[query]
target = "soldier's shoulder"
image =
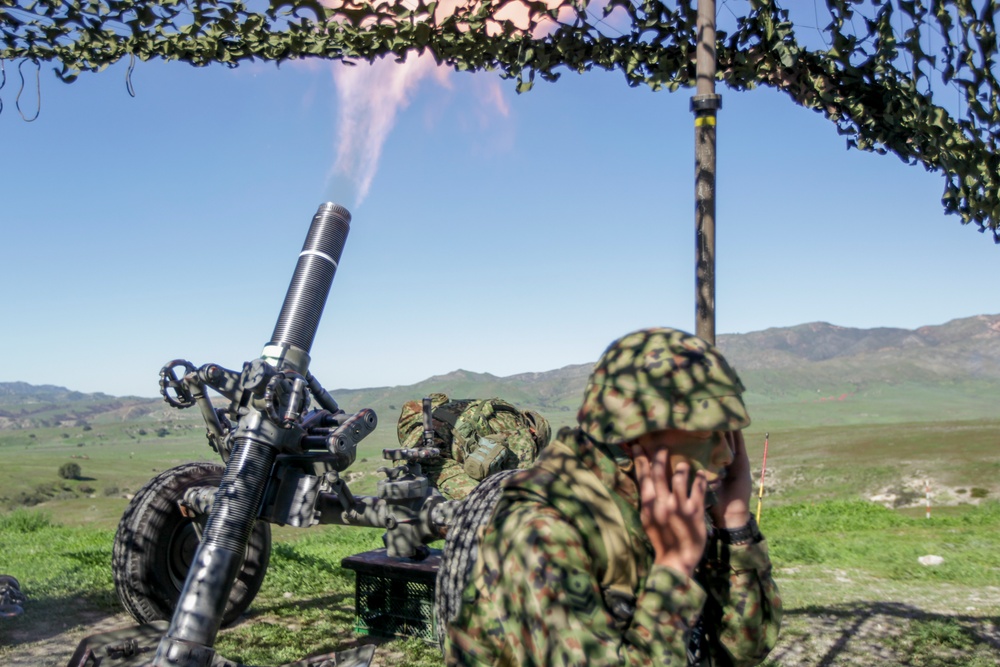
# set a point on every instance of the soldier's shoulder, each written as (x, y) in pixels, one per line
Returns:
(544, 490)
(530, 485)
(530, 525)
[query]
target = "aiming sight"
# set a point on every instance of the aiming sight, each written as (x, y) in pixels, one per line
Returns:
(282, 465)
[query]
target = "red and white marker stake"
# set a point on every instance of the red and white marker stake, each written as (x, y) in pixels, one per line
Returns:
(763, 469)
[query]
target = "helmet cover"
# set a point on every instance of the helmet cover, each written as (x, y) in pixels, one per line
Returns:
(661, 378)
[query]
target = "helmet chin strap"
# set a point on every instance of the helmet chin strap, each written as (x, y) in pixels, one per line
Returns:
(621, 456)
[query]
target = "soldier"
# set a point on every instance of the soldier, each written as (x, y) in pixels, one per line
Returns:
(630, 540)
(477, 438)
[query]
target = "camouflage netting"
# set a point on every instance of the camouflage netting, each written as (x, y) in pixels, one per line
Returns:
(885, 72)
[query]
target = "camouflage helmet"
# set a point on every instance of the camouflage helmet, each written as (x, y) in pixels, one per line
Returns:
(540, 429)
(657, 379)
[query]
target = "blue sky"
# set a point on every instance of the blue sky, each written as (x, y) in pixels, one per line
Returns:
(535, 227)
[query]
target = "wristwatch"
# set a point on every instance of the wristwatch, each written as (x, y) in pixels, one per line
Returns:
(747, 534)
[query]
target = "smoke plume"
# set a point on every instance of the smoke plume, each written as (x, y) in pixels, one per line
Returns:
(369, 97)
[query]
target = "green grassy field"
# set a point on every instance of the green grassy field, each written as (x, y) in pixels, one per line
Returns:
(830, 558)
(838, 557)
(115, 460)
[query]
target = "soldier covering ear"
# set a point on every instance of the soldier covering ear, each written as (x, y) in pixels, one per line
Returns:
(605, 551)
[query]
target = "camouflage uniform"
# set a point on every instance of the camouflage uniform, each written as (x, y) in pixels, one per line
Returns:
(540, 591)
(463, 427)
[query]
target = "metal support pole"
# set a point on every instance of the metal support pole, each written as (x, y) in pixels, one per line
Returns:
(704, 104)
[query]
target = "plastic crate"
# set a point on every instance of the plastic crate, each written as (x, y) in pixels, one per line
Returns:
(394, 597)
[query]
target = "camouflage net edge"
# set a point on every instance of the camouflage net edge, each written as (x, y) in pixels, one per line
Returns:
(875, 82)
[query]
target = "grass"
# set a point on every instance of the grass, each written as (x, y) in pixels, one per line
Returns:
(944, 643)
(305, 606)
(115, 460)
(880, 403)
(886, 545)
(835, 554)
(55, 563)
(306, 603)
(814, 463)
(857, 461)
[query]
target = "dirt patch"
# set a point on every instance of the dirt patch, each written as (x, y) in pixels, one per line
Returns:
(851, 634)
(884, 633)
(48, 642)
(918, 491)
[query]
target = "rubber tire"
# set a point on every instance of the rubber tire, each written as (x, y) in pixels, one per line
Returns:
(155, 544)
(461, 548)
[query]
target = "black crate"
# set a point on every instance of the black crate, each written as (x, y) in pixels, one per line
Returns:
(394, 597)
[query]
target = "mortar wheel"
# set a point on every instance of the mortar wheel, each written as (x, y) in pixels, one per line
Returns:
(461, 547)
(155, 544)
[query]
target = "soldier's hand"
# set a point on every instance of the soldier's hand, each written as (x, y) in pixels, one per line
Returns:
(673, 518)
(732, 509)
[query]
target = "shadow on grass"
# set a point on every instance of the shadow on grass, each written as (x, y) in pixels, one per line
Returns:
(333, 601)
(845, 626)
(71, 618)
(278, 624)
(48, 617)
(310, 563)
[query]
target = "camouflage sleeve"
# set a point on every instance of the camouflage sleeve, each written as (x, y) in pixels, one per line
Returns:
(523, 448)
(546, 605)
(745, 605)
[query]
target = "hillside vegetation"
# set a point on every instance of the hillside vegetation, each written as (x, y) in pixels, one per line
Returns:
(886, 437)
(805, 375)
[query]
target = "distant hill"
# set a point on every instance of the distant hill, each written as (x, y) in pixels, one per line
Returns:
(550, 391)
(23, 405)
(811, 373)
(814, 374)
(22, 392)
(959, 348)
(782, 362)
(819, 373)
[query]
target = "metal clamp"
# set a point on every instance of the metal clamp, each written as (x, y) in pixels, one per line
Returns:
(703, 103)
(290, 404)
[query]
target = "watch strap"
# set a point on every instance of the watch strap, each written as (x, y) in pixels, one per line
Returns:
(745, 534)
